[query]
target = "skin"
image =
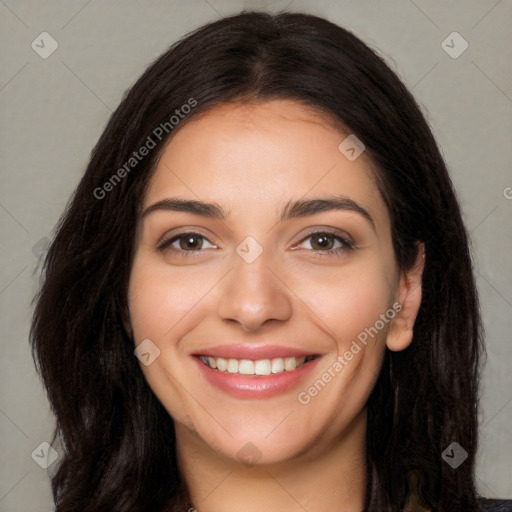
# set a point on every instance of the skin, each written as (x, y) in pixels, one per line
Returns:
(251, 159)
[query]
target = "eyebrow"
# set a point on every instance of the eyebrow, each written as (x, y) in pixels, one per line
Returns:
(295, 209)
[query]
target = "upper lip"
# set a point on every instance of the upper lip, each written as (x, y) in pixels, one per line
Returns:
(254, 352)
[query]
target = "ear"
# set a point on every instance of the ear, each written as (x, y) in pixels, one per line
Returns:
(409, 296)
(125, 320)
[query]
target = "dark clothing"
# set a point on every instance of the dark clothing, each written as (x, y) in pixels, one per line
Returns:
(492, 505)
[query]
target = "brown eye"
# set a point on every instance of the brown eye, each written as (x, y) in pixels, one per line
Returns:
(327, 243)
(321, 241)
(190, 242)
(185, 242)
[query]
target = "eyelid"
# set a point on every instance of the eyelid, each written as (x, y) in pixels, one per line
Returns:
(186, 230)
(336, 232)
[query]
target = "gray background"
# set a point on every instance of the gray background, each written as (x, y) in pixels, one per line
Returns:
(53, 111)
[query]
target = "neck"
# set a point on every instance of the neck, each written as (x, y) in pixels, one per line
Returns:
(322, 479)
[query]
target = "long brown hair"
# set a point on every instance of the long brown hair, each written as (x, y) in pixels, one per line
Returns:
(118, 440)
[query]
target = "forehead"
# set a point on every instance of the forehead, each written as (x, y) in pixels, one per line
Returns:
(259, 155)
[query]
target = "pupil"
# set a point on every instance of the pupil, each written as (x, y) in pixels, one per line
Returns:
(325, 241)
(189, 243)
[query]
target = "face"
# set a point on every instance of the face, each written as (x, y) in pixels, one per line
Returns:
(263, 315)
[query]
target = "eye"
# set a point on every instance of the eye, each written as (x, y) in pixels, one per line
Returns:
(320, 242)
(185, 242)
(325, 242)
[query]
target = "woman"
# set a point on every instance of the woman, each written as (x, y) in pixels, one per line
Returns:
(260, 296)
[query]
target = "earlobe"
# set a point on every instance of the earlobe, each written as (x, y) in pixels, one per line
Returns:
(126, 322)
(409, 292)
(128, 330)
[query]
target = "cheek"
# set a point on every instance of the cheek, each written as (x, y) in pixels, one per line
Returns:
(351, 304)
(159, 298)
(162, 303)
(348, 301)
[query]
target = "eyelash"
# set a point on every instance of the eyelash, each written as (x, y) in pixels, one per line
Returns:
(347, 245)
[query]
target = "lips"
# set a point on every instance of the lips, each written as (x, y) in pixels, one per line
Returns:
(254, 371)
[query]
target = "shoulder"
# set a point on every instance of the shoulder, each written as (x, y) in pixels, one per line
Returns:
(492, 505)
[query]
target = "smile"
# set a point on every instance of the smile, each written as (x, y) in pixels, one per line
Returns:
(256, 367)
(250, 370)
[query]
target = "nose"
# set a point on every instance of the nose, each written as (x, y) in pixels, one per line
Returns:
(254, 295)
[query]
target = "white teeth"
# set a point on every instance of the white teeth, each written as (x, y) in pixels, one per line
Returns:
(290, 364)
(262, 367)
(233, 366)
(258, 367)
(277, 365)
(246, 367)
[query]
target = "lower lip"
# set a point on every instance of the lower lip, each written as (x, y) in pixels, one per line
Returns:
(255, 386)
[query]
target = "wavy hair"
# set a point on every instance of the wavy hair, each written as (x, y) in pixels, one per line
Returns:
(118, 444)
